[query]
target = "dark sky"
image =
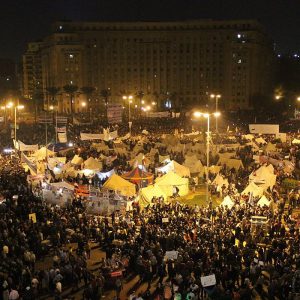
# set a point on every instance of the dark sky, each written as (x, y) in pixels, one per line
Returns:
(22, 21)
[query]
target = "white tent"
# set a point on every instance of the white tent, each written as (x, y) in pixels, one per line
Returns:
(213, 169)
(263, 201)
(253, 189)
(175, 167)
(264, 176)
(220, 181)
(168, 181)
(120, 185)
(193, 164)
(92, 164)
(103, 175)
(147, 193)
(231, 163)
(77, 160)
(227, 202)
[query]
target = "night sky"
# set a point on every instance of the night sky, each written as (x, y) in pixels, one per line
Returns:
(22, 21)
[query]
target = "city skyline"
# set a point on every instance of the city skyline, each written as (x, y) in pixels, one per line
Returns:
(26, 21)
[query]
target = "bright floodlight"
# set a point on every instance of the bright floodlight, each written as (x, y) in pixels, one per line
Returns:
(217, 114)
(51, 107)
(212, 96)
(298, 98)
(9, 105)
(197, 114)
(20, 106)
(130, 97)
(83, 104)
(124, 97)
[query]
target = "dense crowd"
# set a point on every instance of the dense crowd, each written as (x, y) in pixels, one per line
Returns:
(46, 255)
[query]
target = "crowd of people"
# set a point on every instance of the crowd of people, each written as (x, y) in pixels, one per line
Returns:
(46, 249)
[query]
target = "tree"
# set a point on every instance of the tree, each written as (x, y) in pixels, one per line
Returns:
(53, 92)
(71, 90)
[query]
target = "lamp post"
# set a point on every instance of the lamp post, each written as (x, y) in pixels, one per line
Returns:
(217, 97)
(207, 116)
(129, 98)
(16, 107)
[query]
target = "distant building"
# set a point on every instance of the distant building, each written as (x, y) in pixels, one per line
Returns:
(32, 70)
(175, 64)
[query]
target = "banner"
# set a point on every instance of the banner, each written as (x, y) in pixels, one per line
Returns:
(62, 137)
(24, 147)
(264, 128)
(61, 120)
(159, 114)
(208, 280)
(30, 164)
(61, 129)
(114, 113)
(32, 217)
(171, 255)
(45, 120)
(91, 136)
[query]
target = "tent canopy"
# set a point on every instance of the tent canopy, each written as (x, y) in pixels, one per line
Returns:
(42, 153)
(175, 167)
(169, 180)
(263, 201)
(264, 176)
(147, 194)
(193, 164)
(120, 185)
(220, 181)
(92, 164)
(77, 160)
(139, 177)
(231, 163)
(254, 189)
(227, 202)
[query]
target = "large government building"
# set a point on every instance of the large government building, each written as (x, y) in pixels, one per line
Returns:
(175, 64)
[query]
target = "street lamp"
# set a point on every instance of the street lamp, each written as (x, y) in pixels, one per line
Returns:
(129, 98)
(207, 116)
(217, 97)
(16, 107)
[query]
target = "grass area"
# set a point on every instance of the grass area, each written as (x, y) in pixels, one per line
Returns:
(199, 198)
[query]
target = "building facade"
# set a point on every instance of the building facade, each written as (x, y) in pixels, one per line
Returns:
(174, 64)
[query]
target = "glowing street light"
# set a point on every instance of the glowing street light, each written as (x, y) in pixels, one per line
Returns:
(217, 97)
(16, 107)
(129, 98)
(207, 116)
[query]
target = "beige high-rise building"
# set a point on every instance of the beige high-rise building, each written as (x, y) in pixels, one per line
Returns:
(175, 64)
(32, 70)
